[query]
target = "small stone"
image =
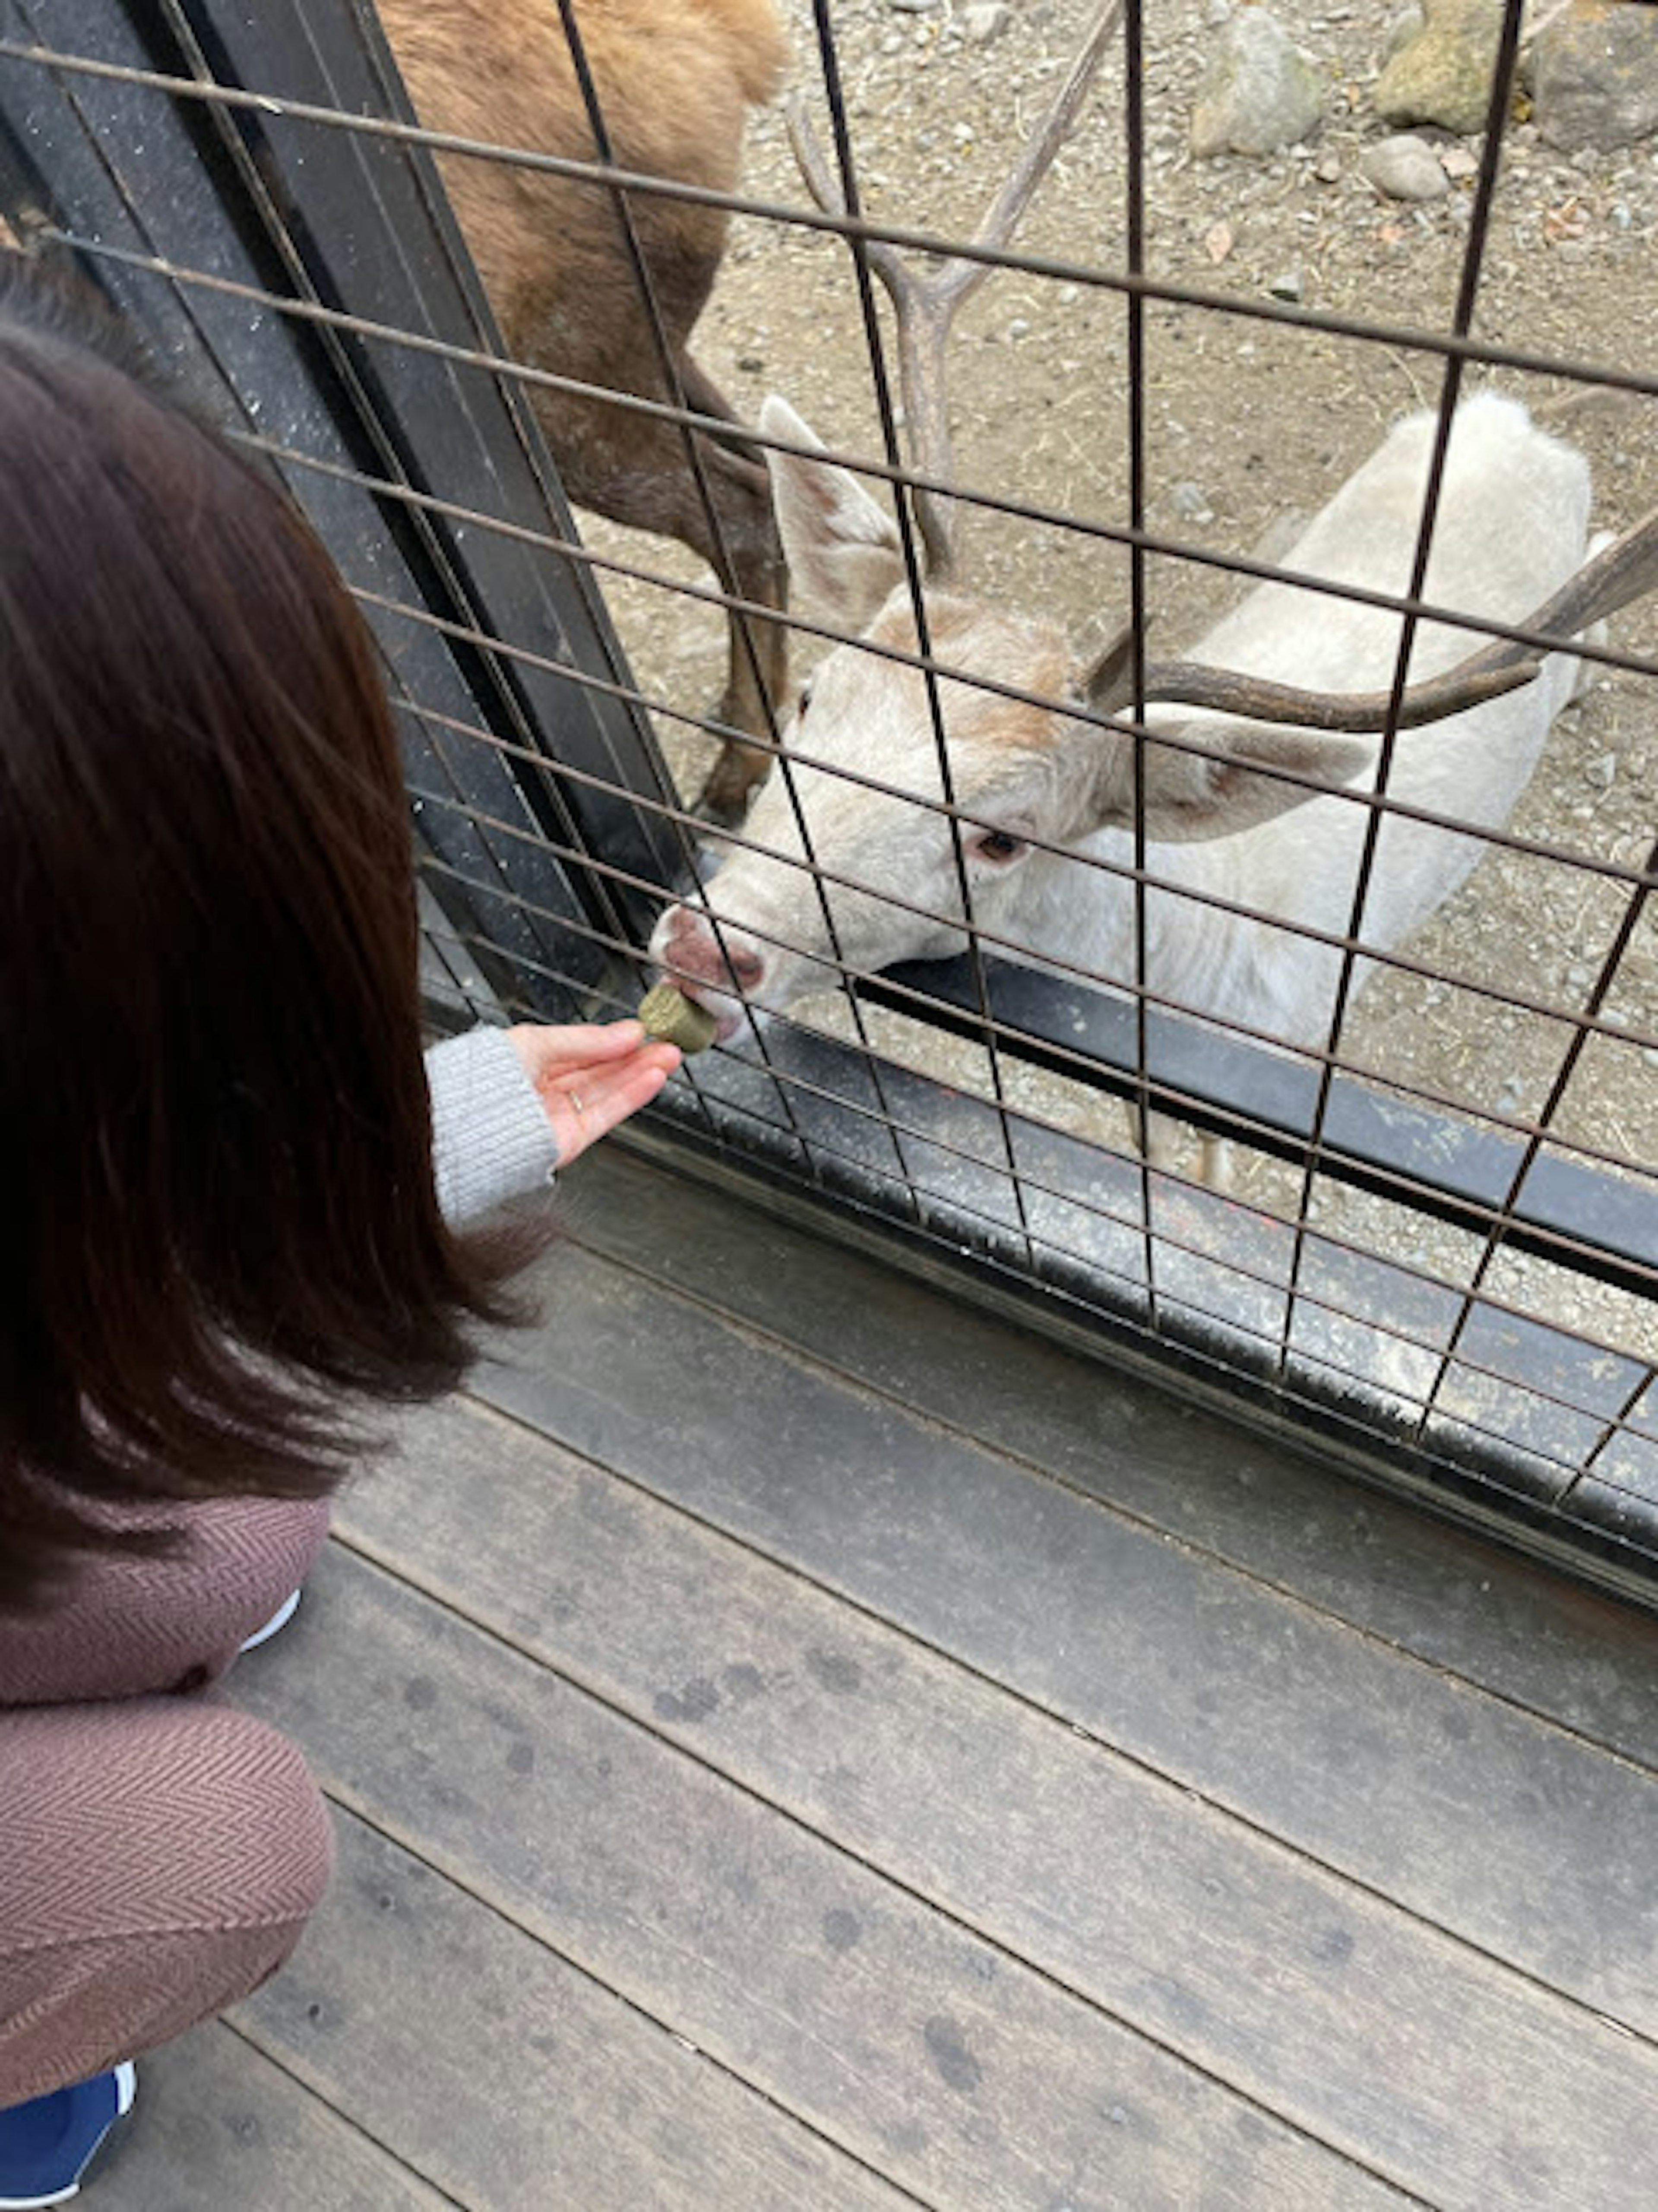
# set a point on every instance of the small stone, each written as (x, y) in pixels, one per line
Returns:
(984, 21)
(752, 364)
(1600, 772)
(910, 7)
(1286, 287)
(1258, 93)
(1405, 168)
(1594, 74)
(1444, 74)
(1458, 162)
(1327, 167)
(1189, 503)
(1217, 14)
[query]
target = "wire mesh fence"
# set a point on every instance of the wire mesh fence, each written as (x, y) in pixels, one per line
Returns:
(1282, 1008)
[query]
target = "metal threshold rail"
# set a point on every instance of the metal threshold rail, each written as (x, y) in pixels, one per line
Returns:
(1578, 1217)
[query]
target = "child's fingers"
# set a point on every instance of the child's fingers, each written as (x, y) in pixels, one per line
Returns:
(583, 1104)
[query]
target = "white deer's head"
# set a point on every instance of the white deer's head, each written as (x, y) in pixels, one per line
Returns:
(855, 860)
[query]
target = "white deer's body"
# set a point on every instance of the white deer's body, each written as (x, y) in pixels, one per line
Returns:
(1512, 527)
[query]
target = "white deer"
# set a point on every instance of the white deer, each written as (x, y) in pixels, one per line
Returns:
(852, 859)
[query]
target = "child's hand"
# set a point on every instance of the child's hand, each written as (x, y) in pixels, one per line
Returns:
(591, 1076)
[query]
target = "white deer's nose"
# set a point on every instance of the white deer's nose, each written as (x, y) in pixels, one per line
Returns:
(689, 947)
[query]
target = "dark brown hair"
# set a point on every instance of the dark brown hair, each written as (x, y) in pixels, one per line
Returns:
(219, 1233)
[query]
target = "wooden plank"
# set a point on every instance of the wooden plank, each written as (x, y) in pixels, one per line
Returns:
(1418, 2057)
(1470, 1606)
(966, 2078)
(1480, 1818)
(512, 2080)
(218, 2127)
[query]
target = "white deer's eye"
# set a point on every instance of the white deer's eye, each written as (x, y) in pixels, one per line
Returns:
(996, 845)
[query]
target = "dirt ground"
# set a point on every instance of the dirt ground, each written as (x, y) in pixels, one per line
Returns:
(1245, 423)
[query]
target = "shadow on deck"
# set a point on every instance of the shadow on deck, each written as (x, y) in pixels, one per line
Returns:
(798, 1742)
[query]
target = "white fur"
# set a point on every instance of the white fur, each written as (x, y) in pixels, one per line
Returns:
(1512, 527)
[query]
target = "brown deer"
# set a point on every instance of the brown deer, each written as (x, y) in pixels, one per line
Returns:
(674, 79)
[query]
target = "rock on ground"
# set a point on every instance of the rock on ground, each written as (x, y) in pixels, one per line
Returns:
(1594, 74)
(1259, 93)
(1406, 168)
(1443, 75)
(984, 21)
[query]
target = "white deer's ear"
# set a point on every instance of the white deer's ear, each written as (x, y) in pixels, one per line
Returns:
(843, 550)
(1190, 796)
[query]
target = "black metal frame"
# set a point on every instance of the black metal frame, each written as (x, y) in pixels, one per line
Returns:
(200, 160)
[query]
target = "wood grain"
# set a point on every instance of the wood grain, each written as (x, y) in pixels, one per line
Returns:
(1463, 1604)
(1349, 2018)
(511, 2079)
(924, 2051)
(218, 2127)
(1479, 1817)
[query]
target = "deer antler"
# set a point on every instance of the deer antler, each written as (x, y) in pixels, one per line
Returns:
(1623, 571)
(926, 306)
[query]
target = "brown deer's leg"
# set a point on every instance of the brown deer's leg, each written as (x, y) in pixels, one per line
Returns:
(757, 673)
(633, 468)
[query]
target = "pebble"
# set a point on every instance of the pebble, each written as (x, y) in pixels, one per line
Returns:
(1405, 168)
(1600, 772)
(1287, 286)
(984, 21)
(1190, 504)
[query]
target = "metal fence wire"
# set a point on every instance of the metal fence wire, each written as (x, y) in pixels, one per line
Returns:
(1309, 1048)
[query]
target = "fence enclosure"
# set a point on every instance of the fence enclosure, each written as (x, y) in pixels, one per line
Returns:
(251, 187)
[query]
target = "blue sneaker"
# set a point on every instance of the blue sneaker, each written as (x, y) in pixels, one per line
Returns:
(46, 2145)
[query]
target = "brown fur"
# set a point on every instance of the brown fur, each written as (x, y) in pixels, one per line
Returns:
(675, 79)
(965, 635)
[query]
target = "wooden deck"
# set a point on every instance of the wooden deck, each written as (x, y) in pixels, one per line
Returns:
(800, 1742)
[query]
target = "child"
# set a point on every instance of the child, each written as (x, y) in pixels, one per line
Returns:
(235, 1201)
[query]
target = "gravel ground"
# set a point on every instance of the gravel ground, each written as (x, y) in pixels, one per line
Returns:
(1246, 424)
